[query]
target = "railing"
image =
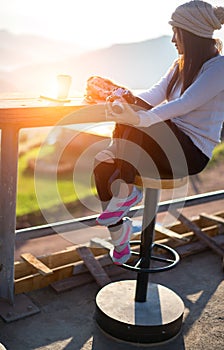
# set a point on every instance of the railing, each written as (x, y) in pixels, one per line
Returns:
(78, 223)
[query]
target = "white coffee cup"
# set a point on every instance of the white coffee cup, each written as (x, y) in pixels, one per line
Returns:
(64, 82)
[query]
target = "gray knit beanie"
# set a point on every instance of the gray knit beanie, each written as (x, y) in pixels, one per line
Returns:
(198, 17)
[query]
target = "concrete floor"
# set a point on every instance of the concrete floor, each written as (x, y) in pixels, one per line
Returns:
(66, 321)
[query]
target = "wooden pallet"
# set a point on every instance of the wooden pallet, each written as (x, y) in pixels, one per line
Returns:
(79, 265)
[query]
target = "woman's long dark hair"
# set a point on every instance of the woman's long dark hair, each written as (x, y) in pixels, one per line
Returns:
(196, 51)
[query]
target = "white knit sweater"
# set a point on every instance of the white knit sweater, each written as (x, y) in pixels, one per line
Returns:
(199, 111)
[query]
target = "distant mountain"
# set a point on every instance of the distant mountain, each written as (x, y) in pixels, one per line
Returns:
(136, 65)
(20, 50)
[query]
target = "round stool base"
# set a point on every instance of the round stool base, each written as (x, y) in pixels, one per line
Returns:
(157, 319)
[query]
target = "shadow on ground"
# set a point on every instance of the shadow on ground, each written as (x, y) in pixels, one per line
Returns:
(66, 321)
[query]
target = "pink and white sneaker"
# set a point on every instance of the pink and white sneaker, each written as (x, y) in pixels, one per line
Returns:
(119, 207)
(120, 239)
(120, 258)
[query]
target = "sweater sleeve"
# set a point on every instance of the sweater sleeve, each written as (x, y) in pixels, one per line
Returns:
(208, 84)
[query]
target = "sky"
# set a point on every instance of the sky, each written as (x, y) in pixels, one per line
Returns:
(91, 23)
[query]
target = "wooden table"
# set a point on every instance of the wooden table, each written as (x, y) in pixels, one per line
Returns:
(15, 114)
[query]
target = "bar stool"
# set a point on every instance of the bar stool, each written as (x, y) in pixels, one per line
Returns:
(138, 311)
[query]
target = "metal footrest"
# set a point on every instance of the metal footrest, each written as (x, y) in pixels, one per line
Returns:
(169, 263)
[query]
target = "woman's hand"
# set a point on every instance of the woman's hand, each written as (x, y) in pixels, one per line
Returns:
(128, 116)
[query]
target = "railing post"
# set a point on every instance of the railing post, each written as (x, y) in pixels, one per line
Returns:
(8, 187)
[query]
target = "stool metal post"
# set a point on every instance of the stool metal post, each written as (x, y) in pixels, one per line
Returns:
(149, 218)
(134, 312)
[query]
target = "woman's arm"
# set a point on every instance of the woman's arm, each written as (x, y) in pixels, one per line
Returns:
(208, 84)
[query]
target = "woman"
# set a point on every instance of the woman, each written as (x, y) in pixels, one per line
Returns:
(176, 134)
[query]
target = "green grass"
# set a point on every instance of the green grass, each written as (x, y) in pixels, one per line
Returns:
(218, 155)
(53, 192)
(49, 191)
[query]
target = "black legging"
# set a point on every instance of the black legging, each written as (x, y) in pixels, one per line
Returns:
(159, 151)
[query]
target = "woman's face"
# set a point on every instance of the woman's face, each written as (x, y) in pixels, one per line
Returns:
(176, 39)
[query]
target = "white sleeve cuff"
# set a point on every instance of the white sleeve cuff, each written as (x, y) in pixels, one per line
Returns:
(147, 118)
